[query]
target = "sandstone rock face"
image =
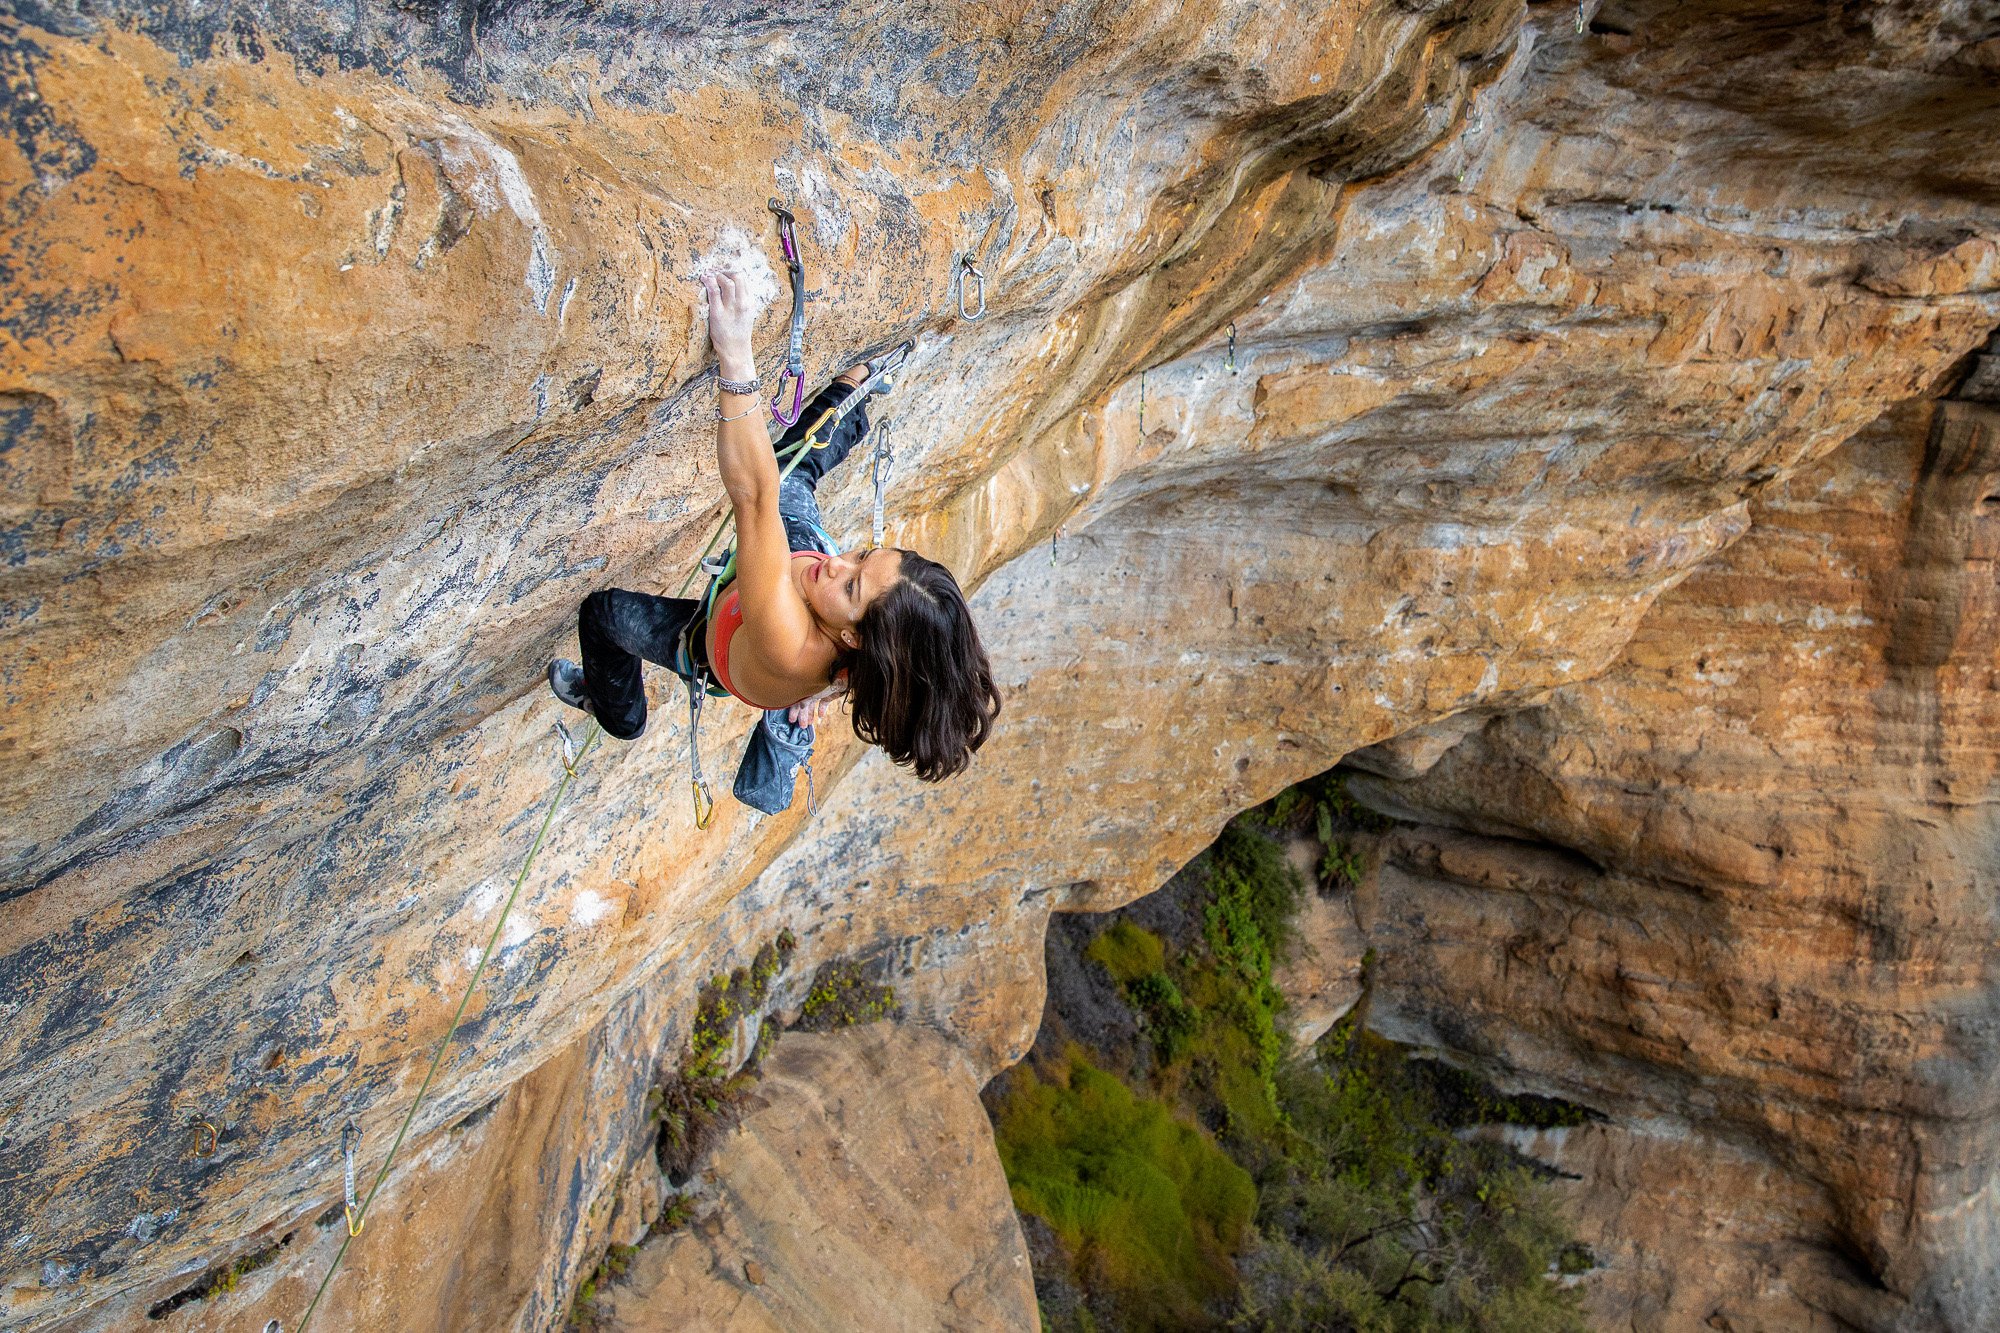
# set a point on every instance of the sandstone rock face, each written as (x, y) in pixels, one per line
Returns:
(1321, 978)
(1741, 885)
(343, 355)
(862, 1192)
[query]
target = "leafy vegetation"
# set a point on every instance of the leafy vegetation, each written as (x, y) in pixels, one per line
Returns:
(1374, 1214)
(841, 996)
(1146, 1202)
(221, 1281)
(1373, 1210)
(699, 1099)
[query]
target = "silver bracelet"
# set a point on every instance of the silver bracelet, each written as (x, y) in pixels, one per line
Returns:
(751, 385)
(746, 412)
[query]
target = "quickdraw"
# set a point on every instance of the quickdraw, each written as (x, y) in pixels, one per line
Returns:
(878, 472)
(704, 799)
(795, 353)
(1230, 364)
(968, 269)
(349, 1136)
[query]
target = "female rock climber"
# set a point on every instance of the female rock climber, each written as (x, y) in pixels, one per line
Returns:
(800, 623)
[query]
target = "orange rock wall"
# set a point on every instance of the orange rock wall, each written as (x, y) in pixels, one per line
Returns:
(1742, 884)
(343, 355)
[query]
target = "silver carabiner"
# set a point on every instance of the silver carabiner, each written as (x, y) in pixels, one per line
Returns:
(965, 267)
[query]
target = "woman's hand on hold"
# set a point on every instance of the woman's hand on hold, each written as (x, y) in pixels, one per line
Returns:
(731, 312)
(807, 712)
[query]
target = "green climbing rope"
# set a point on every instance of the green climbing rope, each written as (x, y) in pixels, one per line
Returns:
(360, 1215)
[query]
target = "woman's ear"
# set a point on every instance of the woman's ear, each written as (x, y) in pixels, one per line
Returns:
(850, 638)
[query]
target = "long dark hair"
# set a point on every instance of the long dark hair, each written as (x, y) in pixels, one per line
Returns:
(920, 684)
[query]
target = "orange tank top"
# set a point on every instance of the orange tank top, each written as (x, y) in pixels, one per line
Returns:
(724, 623)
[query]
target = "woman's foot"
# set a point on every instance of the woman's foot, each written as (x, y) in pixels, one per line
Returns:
(878, 366)
(566, 681)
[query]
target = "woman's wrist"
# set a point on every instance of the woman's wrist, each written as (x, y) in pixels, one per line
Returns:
(736, 364)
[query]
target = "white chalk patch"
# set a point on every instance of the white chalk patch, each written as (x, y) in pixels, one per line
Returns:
(734, 252)
(588, 909)
(481, 167)
(517, 931)
(485, 898)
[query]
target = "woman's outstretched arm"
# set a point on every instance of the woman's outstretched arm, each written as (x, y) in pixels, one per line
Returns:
(773, 615)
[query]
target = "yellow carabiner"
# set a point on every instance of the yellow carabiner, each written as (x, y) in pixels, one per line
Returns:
(704, 804)
(354, 1225)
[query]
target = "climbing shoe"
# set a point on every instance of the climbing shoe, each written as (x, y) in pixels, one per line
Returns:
(566, 680)
(883, 365)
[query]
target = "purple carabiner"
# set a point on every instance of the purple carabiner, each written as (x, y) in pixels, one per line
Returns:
(798, 399)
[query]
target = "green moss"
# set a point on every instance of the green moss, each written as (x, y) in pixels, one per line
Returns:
(696, 1102)
(1144, 1201)
(1128, 952)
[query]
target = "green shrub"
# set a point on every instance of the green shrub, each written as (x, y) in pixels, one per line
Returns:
(1372, 1211)
(1142, 1201)
(1128, 952)
(1169, 1019)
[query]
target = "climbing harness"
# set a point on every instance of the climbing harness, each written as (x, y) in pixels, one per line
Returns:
(966, 268)
(1230, 365)
(350, 1135)
(878, 472)
(357, 1214)
(795, 353)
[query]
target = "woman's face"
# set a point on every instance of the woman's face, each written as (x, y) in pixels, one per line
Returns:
(840, 588)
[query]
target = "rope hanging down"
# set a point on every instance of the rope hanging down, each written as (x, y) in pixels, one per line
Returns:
(357, 1216)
